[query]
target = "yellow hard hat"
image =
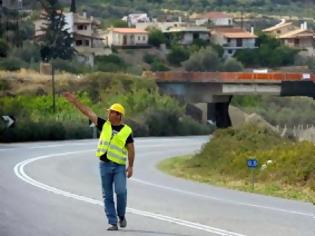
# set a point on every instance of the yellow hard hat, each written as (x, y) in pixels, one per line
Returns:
(117, 107)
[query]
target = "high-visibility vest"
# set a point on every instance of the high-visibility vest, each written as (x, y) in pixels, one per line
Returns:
(114, 146)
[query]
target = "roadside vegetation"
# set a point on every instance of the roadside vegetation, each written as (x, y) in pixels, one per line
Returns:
(283, 111)
(148, 112)
(286, 168)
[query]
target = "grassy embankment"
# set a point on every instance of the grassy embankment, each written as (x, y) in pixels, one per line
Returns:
(223, 162)
(26, 95)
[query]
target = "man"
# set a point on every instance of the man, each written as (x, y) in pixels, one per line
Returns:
(115, 146)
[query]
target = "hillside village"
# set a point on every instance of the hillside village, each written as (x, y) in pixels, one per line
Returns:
(91, 39)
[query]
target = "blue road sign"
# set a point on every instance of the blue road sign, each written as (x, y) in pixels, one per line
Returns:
(252, 163)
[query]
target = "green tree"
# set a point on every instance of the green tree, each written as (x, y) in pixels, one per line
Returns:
(57, 41)
(232, 65)
(270, 52)
(156, 37)
(206, 59)
(177, 55)
(3, 48)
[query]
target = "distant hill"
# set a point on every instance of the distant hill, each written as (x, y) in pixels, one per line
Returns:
(118, 8)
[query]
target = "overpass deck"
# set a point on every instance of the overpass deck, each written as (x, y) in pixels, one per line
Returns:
(231, 77)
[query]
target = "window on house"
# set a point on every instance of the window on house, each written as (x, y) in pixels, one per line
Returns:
(239, 42)
(82, 27)
(143, 38)
(195, 36)
(228, 40)
(78, 42)
(230, 51)
(139, 38)
(296, 42)
(87, 43)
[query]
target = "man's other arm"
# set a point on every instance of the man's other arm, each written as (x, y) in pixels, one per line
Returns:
(131, 158)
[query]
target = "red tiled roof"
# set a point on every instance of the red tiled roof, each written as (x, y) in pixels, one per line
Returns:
(299, 33)
(233, 32)
(129, 30)
(214, 15)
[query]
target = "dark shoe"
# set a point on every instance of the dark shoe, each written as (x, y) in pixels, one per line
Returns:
(122, 222)
(113, 228)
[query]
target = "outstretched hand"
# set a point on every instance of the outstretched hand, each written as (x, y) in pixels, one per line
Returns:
(69, 96)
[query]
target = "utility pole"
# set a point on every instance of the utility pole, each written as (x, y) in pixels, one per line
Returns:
(53, 86)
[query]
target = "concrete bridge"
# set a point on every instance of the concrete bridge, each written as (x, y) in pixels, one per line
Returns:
(212, 91)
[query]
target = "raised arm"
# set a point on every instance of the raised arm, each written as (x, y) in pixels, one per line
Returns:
(84, 109)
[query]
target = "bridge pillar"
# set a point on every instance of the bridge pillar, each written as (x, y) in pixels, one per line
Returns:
(218, 111)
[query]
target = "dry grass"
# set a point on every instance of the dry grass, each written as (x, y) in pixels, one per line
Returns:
(31, 82)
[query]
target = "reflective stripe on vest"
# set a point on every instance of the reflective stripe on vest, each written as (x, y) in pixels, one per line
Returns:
(113, 146)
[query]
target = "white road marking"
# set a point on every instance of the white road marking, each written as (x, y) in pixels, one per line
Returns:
(222, 200)
(20, 173)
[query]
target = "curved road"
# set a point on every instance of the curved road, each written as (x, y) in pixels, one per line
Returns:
(53, 188)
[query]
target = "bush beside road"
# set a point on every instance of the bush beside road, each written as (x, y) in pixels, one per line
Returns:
(28, 99)
(286, 168)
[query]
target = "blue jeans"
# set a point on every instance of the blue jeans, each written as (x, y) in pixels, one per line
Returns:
(114, 175)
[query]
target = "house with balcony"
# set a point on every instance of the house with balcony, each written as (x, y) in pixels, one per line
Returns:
(302, 38)
(233, 39)
(281, 28)
(295, 37)
(88, 40)
(126, 38)
(186, 35)
(12, 4)
(161, 25)
(214, 18)
(134, 18)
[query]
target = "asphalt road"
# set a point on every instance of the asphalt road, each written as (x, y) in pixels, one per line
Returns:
(53, 188)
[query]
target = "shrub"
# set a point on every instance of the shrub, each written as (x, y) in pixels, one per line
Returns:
(11, 64)
(110, 63)
(4, 48)
(156, 37)
(203, 60)
(157, 65)
(177, 55)
(232, 65)
(29, 52)
(71, 66)
(269, 53)
(149, 58)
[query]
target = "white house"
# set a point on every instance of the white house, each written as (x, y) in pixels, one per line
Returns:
(134, 18)
(126, 37)
(160, 25)
(281, 28)
(233, 39)
(187, 34)
(302, 38)
(88, 40)
(295, 37)
(214, 18)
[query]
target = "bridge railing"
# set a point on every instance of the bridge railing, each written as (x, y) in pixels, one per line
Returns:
(230, 76)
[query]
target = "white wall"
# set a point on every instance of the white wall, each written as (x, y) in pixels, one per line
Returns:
(69, 21)
(222, 21)
(117, 39)
(217, 22)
